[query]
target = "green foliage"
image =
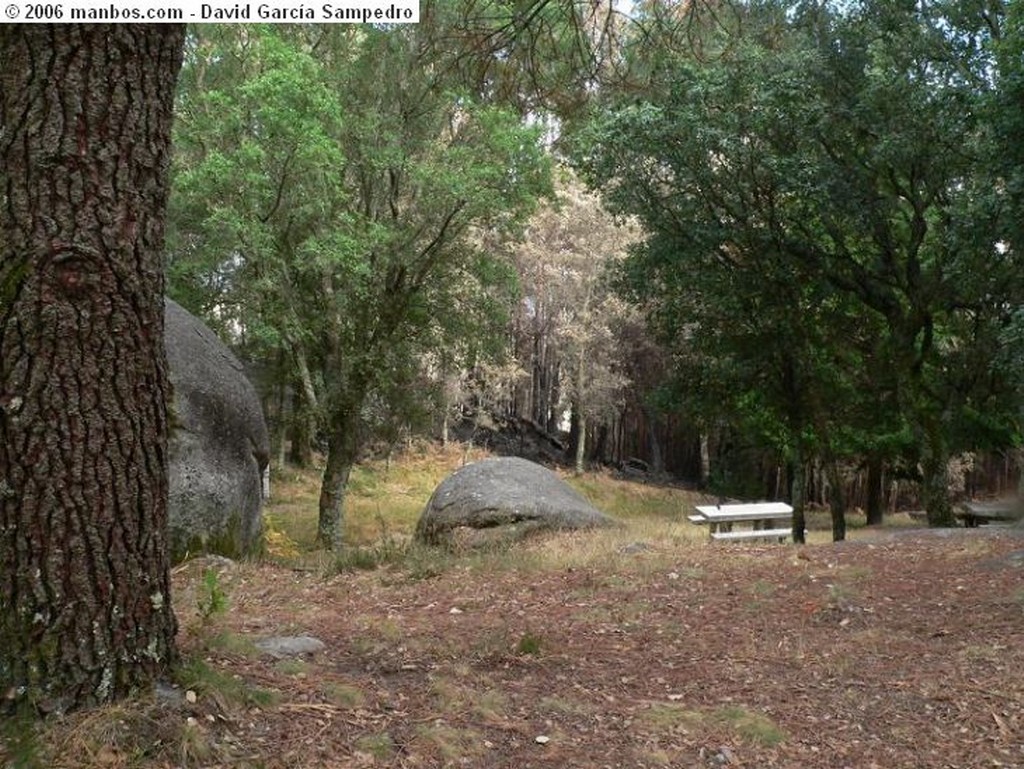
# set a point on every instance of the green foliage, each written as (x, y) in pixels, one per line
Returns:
(529, 644)
(825, 254)
(332, 192)
(211, 600)
(19, 739)
(227, 690)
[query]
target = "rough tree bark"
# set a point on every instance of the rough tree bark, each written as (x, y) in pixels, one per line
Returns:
(85, 119)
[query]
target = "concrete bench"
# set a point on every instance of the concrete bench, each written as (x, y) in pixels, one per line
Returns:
(763, 519)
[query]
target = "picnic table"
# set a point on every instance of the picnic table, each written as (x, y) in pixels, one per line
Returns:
(975, 514)
(764, 519)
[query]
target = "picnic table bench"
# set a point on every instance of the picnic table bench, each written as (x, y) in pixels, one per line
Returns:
(975, 514)
(764, 518)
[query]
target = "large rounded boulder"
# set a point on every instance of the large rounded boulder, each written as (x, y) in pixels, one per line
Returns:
(219, 445)
(506, 497)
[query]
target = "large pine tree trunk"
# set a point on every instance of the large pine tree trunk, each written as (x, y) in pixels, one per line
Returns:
(85, 119)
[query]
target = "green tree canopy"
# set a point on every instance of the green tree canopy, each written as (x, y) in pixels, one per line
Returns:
(331, 191)
(822, 208)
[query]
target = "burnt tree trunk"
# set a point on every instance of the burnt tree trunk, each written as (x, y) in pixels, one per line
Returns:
(85, 121)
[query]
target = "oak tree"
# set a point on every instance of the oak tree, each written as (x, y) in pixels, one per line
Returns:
(85, 121)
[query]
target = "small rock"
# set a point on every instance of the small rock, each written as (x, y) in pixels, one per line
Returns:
(167, 693)
(290, 646)
(542, 739)
(191, 697)
(455, 610)
(635, 547)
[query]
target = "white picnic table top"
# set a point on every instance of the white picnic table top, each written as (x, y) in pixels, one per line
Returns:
(750, 511)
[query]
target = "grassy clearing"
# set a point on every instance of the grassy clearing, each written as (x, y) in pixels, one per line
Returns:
(385, 499)
(748, 725)
(384, 502)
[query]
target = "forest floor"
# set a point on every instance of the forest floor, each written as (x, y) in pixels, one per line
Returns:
(648, 648)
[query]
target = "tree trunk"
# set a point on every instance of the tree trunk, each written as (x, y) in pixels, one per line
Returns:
(574, 431)
(875, 510)
(836, 502)
(598, 452)
(935, 481)
(307, 409)
(798, 497)
(86, 110)
(705, 459)
(554, 417)
(581, 443)
(301, 430)
(657, 457)
(342, 452)
(280, 434)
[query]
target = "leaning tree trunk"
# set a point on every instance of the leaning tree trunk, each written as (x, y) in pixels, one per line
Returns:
(85, 120)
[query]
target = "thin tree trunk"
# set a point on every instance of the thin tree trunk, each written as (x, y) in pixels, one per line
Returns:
(281, 423)
(581, 441)
(657, 457)
(705, 459)
(342, 448)
(86, 110)
(875, 506)
(301, 430)
(307, 409)
(798, 497)
(837, 501)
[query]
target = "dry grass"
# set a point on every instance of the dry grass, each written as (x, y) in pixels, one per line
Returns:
(382, 497)
(385, 499)
(384, 502)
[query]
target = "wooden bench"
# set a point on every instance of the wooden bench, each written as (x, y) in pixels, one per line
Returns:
(975, 514)
(764, 519)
